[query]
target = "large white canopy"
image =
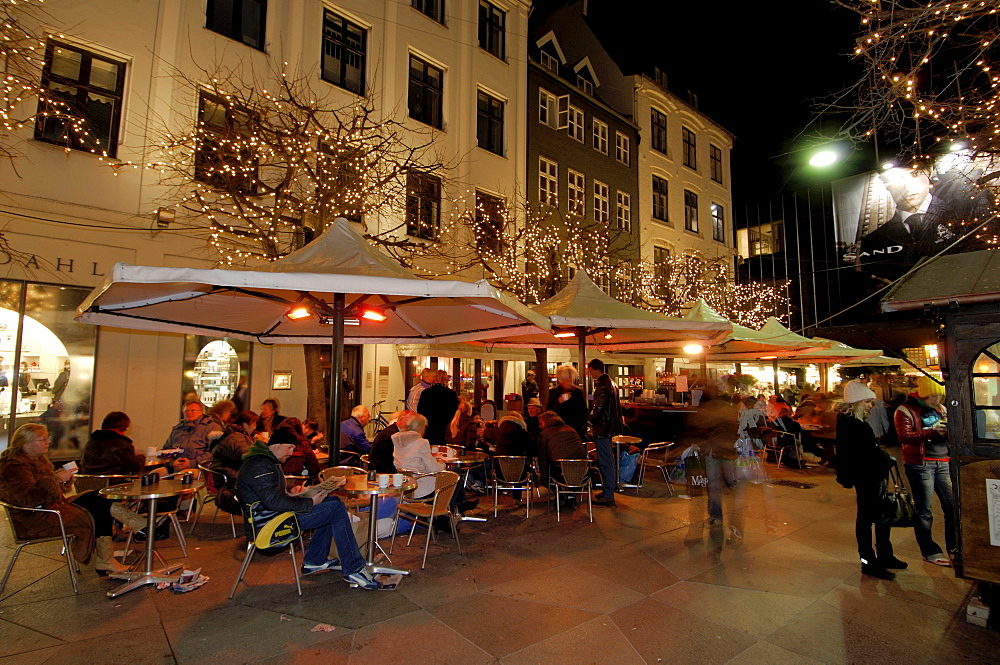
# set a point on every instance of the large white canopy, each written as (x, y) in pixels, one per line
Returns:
(582, 304)
(252, 304)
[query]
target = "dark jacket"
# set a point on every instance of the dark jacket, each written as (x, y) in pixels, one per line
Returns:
(713, 427)
(108, 452)
(914, 422)
(353, 437)
(512, 439)
(228, 451)
(380, 457)
(572, 410)
(860, 460)
(438, 404)
(260, 486)
(466, 433)
(606, 412)
(558, 441)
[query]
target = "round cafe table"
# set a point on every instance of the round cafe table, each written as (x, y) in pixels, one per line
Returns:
(164, 489)
(359, 485)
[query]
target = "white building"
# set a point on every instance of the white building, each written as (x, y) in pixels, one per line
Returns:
(68, 214)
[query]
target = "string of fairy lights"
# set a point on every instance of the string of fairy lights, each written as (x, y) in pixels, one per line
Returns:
(934, 85)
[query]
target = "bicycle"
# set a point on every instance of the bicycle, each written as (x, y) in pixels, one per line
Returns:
(377, 422)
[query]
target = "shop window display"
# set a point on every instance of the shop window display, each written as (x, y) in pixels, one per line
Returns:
(216, 369)
(986, 393)
(47, 366)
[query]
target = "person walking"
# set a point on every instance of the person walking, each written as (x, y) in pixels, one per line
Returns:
(921, 429)
(863, 465)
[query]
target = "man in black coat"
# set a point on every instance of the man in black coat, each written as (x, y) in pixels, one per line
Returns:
(605, 422)
(380, 457)
(438, 404)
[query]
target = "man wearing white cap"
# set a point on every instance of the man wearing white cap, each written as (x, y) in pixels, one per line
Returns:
(863, 465)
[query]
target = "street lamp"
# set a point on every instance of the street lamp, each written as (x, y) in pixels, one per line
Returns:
(824, 157)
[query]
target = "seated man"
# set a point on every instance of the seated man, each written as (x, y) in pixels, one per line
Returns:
(557, 441)
(380, 458)
(261, 486)
(109, 451)
(352, 431)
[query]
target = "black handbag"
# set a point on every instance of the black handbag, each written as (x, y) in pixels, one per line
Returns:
(897, 505)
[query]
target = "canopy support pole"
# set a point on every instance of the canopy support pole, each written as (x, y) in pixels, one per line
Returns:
(477, 383)
(581, 347)
(541, 376)
(774, 367)
(336, 384)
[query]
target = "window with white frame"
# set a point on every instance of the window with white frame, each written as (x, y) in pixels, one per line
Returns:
(660, 199)
(575, 128)
(585, 84)
(548, 61)
(576, 192)
(602, 202)
(622, 153)
(548, 182)
(690, 211)
(718, 223)
(600, 136)
(623, 213)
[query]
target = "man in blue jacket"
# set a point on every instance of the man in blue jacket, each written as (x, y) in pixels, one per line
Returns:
(261, 486)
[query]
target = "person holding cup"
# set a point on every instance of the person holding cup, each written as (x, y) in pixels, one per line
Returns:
(28, 479)
(922, 431)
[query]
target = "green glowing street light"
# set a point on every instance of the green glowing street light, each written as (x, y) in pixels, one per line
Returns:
(823, 158)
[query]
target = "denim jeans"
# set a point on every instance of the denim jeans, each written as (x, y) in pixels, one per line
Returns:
(330, 521)
(606, 464)
(926, 480)
(723, 471)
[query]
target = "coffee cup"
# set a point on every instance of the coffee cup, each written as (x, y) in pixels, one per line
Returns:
(397, 479)
(187, 479)
(383, 480)
(149, 479)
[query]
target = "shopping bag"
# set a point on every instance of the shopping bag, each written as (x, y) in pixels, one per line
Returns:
(750, 468)
(896, 503)
(627, 466)
(696, 473)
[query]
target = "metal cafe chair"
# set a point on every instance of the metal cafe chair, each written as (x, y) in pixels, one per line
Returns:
(422, 513)
(513, 474)
(662, 456)
(215, 480)
(262, 540)
(619, 442)
(575, 474)
(22, 542)
(330, 472)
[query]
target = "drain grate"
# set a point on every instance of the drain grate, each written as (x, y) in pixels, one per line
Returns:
(793, 483)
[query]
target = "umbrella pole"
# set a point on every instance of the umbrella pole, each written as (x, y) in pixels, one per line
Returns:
(581, 347)
(774, 366)
(336, 383)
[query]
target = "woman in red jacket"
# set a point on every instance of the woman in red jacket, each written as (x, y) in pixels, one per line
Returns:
(920, 427)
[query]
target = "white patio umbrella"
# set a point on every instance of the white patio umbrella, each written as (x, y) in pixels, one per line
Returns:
(583, 315)
(337, 289)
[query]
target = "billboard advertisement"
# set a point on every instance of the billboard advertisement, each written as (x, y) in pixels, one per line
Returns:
(887, 221)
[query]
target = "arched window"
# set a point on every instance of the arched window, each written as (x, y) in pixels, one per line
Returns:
(986, 393)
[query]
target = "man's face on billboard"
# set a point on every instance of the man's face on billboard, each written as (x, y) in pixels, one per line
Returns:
(908, 189)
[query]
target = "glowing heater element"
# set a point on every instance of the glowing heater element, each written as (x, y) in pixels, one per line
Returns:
(564, 334)
(373, 315)
(769, 357)
(298, 313)
(692, 349)
(607, 335)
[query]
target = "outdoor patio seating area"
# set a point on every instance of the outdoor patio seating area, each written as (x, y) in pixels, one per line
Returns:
(647, 582)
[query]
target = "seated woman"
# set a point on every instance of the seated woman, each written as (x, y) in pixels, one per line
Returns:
(28, 479)
(463, 430)
(412, 452)
(512, 436)
(110, 452)
(310, 429)
(229, 449)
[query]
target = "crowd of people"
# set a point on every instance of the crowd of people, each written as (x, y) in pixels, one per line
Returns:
(255, 453)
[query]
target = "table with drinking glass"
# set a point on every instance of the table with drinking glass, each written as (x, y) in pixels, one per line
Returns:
(359, 485)
(136, 491)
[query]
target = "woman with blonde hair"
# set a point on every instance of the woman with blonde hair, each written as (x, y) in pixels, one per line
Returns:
(462, 431)
(28, 479)
(863, 465)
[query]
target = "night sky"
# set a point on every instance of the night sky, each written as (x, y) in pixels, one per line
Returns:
(757, 68)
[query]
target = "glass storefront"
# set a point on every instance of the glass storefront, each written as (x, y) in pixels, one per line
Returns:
(46, 362)
(216, 369)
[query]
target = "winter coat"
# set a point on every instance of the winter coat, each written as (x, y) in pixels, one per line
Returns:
(108, 452)
(413, 453)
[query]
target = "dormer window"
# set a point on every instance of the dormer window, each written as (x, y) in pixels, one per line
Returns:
(549, 62)
(585, 85)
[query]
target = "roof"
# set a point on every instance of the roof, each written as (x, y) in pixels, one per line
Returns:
(970, 277)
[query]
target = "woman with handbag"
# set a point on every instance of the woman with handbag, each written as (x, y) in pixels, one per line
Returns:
(920, 428)
(863, 465)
